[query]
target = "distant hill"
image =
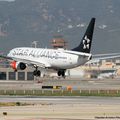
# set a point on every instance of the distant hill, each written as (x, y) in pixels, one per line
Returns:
(24, 21)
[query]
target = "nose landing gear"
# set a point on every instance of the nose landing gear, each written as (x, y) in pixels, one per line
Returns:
(37, 72)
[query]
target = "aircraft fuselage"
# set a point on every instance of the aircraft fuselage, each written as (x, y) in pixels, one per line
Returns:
(51, 58)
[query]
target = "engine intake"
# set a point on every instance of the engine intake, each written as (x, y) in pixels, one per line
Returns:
(18, 65)
(22, 66)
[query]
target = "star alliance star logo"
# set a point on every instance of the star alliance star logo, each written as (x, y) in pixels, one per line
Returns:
(86, 43)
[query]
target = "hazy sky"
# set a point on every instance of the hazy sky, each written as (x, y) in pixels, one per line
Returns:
(8, 0)
(70, 17)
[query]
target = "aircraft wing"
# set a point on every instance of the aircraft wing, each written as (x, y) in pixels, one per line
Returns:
(28, 62)
(5, 57)
(106, 54)
(103, 57)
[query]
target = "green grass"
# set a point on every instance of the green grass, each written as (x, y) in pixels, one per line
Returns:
(113, 93)
(5, 104)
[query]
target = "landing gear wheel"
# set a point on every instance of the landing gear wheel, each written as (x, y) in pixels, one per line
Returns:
(36, 73)
(61, 73)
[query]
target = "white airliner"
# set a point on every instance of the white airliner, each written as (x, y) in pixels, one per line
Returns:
(58, 59)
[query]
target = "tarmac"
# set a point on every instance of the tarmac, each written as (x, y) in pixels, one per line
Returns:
(79, 83)
(65, 108)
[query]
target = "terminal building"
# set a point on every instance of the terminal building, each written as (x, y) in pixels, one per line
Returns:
(9, 74)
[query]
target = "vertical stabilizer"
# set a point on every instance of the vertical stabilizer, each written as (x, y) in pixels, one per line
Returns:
(85, 44)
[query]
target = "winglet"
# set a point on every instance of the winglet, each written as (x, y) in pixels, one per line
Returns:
(85, 44)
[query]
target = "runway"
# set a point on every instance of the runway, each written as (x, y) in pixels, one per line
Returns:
(63, 100)
(62, 108)
(87, 84)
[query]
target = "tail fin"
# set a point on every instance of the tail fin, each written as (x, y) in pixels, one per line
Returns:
(85, 44)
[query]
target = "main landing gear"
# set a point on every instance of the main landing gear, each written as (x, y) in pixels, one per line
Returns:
(61, 73)
(37, 72)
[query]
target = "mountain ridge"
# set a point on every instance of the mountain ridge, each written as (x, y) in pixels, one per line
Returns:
(24, 21)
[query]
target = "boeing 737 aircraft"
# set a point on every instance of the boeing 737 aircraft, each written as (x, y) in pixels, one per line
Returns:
(57, 59)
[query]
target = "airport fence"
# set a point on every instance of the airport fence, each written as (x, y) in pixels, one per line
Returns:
(61, 92)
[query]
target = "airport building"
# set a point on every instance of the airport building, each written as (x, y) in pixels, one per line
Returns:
(9, 74)
(58, 42)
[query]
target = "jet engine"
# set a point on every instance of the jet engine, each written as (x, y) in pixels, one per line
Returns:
(18, 65)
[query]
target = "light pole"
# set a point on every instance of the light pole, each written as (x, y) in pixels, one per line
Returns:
(34, 44)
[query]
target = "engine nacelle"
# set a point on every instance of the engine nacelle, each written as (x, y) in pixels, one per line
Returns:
(18, 65)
